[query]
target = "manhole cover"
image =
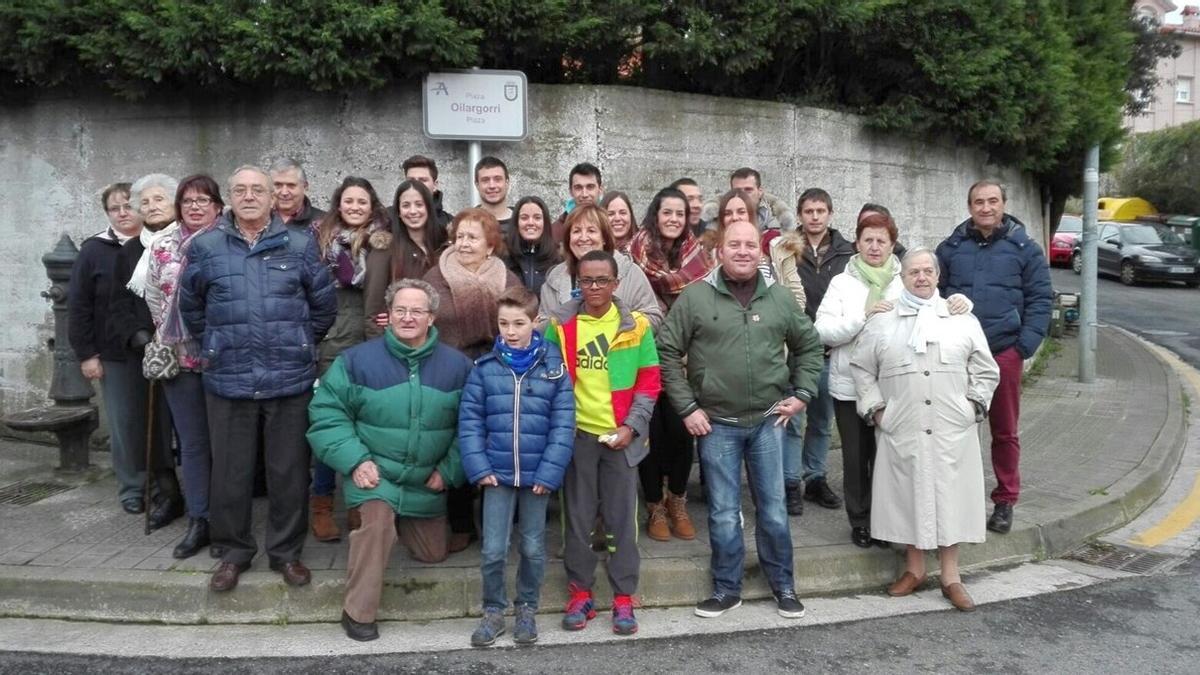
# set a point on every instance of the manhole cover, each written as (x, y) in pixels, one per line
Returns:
(1123, 558)
(28, 492)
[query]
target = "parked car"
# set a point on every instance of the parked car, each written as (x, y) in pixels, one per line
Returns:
(1142, 252)
(1063, 241)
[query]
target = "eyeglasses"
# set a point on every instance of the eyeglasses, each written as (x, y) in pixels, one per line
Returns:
(594, 282)
(241, 190)
(414, 312)
(202, 202)
(120, 208)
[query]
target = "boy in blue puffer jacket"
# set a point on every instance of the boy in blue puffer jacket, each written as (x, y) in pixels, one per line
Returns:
(516, 426)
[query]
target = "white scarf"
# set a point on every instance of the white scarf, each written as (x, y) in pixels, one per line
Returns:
(141, 273)
(925, 328)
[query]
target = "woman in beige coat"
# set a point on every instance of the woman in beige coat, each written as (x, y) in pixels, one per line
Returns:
(925, 379)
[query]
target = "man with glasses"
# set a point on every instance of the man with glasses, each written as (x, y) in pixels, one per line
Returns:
(386, 416)
(611, 358)
(258, 298)
(732, 328)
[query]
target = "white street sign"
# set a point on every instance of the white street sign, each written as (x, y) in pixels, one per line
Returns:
(476, 105)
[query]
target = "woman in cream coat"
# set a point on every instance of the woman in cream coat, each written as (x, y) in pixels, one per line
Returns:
(925, 379)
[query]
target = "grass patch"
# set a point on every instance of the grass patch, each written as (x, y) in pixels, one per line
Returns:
(1051, 348)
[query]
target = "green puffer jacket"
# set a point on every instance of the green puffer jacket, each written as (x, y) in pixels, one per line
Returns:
(737, 365)
(397, 406)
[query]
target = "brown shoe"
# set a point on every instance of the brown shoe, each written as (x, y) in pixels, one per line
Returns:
(657, 527)
(321, 519)
(294, 573)
(353, 519)
(905, 585)
(681, 523)
(956, 593)
(226, 577)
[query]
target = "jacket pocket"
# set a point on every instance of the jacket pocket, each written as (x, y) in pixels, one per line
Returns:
(282, 276)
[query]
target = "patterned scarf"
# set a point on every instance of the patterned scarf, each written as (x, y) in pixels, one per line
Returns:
(694, 263)
(141, 273)
(520, 360)
(173, 331)
(347, 254)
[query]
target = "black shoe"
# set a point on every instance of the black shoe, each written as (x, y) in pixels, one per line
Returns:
(717, 605)
(817, 490)
(194, 539)
(788, 606)
(793, 497)
(363, 632)
(165, 512)
(880, 543)
(1001, 520)
(861, 537)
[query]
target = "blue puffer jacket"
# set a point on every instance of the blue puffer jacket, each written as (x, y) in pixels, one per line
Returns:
(1006, 277)
(539, 403)
(257, 312)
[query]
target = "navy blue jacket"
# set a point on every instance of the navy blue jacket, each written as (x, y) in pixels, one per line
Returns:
(543, 412)
(1006, 277)
(257, 312)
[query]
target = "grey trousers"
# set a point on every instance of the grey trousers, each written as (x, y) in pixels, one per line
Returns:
(233, 426)
(600, 482)
(125, 406)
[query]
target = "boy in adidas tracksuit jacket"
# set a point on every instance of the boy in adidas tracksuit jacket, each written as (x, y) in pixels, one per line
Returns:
(610, 354)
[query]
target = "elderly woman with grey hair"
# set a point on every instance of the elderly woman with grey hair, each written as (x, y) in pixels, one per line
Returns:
(132, 326)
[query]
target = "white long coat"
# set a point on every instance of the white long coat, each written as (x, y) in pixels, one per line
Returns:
(928, 482)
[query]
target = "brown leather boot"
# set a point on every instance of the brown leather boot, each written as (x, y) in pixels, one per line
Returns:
(657, 527)
(681, 523)
(321, 519)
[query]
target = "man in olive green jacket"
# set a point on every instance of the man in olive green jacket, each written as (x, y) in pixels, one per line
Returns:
(741, 386)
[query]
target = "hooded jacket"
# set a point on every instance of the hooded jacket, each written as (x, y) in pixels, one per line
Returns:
(773, 213)
(736, 355)
(1007, 278)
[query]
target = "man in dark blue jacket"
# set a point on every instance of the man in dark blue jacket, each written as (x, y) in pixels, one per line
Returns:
(992, 260)
(257, 296)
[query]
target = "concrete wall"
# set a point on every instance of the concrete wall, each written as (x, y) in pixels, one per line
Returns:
(57, 154)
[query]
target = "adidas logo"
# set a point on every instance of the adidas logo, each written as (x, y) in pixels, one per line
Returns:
(593, 355)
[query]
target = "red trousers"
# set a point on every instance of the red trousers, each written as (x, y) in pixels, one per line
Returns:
(1004, 418)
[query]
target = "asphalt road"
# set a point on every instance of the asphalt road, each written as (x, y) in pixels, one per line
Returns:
(1141, 624)
(1167, 314)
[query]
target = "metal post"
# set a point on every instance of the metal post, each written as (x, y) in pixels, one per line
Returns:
(1087, 300)
(474, 154)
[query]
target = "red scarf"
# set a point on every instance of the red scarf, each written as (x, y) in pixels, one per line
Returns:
(694, 263)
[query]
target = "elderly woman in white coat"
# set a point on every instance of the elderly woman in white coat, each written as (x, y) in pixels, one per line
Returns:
(925, 379)
(870, 284)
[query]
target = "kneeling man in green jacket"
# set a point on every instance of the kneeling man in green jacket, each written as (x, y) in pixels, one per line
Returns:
(385, 415)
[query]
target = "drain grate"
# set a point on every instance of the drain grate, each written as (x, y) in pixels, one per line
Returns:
(1123, 558)
(28, 492)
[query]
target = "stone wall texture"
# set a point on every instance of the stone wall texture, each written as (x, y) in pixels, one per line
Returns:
(58, 153)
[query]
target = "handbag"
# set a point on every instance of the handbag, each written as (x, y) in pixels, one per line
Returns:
(159, 361)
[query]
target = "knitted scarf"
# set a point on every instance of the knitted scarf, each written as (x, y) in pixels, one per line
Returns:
(347, 254)
(876, 279)
(474, 293)
(925, 328)
(520, 359)
(694, 263)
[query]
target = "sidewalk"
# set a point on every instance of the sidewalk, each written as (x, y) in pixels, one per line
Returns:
(1094, 456)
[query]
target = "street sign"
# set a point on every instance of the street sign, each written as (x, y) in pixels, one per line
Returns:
(476, 105)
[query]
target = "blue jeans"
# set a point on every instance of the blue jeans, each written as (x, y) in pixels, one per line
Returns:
(722, 453)
(324, 479)
(499, 505)
(185, 394)
(806, 445)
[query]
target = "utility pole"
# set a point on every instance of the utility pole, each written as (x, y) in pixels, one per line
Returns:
(1087, 301)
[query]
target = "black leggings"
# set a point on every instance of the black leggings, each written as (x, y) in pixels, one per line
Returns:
(671, 453)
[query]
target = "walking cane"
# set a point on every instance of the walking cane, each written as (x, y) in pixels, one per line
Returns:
(149, 450)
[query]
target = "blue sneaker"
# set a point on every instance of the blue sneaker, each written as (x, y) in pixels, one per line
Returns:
(525, 627)
(580, 609)
(623, 620)
(490, 628)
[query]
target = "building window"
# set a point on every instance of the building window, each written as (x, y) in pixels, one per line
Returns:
(1183, 90)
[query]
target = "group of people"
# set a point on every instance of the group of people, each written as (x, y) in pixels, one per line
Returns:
(429, 359)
